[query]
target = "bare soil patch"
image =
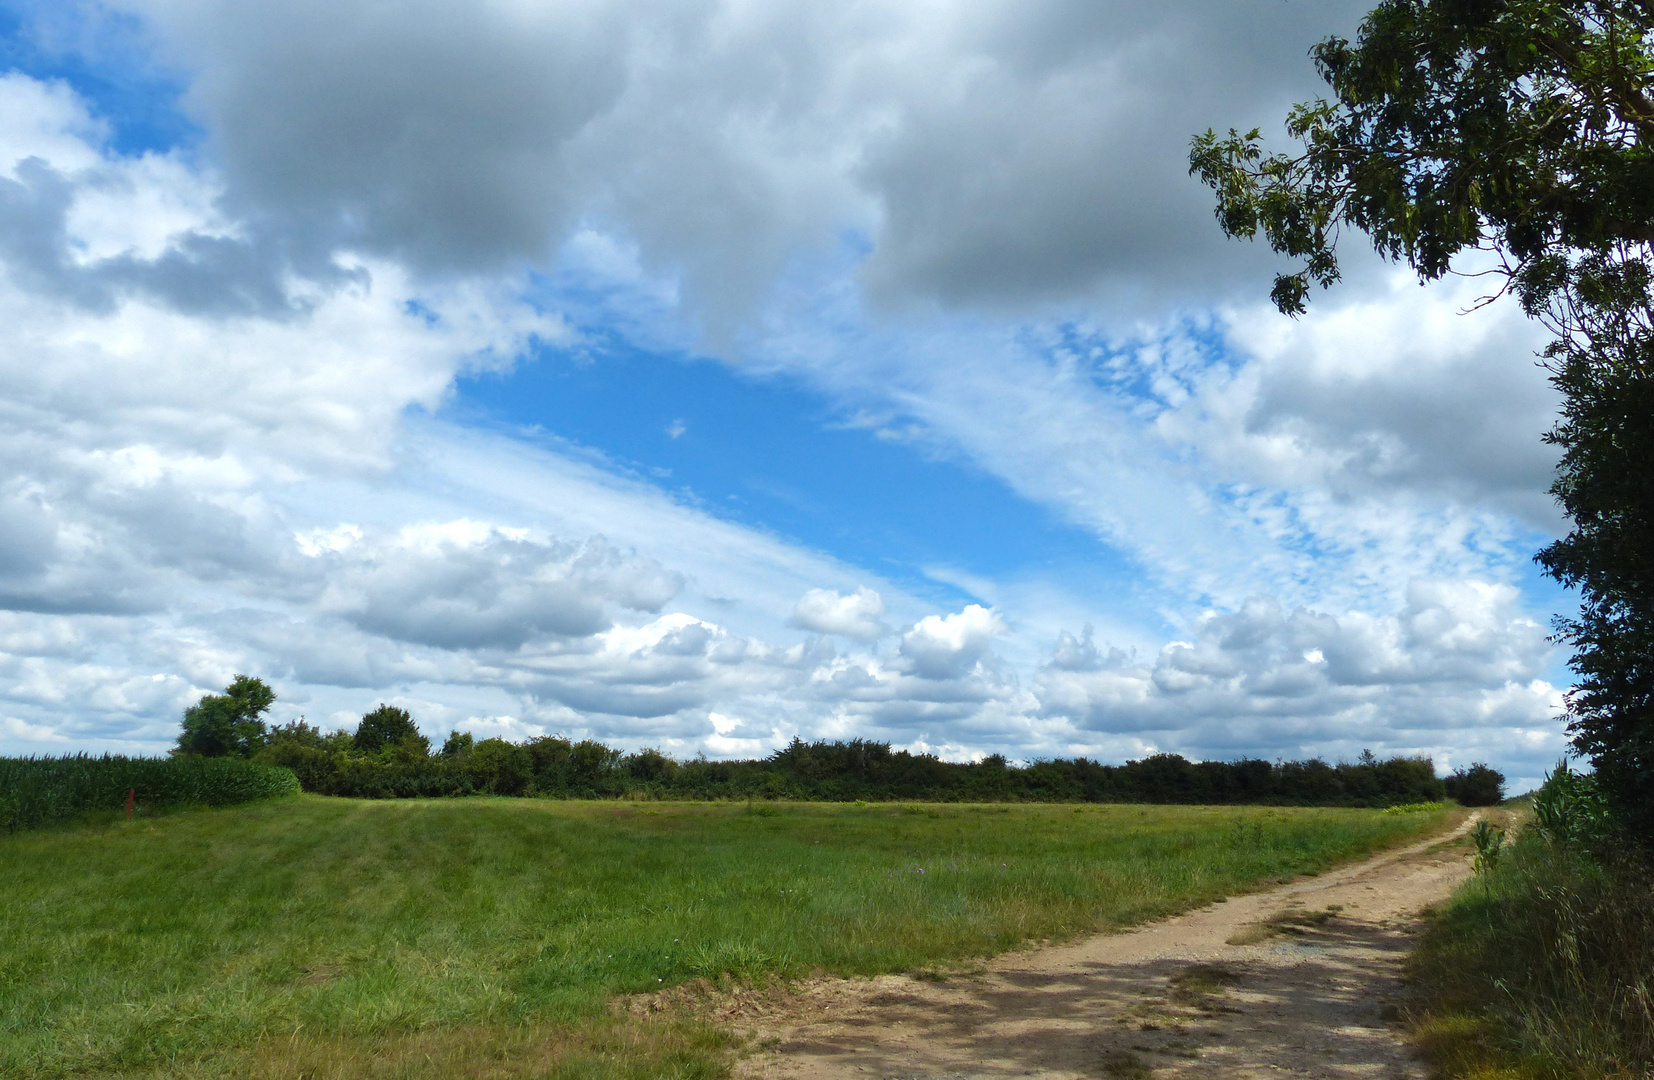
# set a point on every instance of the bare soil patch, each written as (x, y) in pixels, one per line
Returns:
(1299, 980)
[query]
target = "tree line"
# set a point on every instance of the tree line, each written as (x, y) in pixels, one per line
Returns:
(388, 757)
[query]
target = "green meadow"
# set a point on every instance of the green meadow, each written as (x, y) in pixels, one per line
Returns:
(320, 937)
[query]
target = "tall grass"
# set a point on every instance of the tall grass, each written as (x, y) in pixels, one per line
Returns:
(41, 791)
(1543, 966)
(317, 929)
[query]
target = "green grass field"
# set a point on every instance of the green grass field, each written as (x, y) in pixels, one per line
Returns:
(325, 937)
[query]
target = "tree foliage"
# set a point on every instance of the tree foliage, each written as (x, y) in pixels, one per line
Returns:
(1478, 785)
(555, 767)
(229, 724)
(1521, 129)
(392, 728)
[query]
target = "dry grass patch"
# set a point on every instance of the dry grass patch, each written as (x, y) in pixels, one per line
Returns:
(1291, 923)
(1201, 986)
(1126, 1065)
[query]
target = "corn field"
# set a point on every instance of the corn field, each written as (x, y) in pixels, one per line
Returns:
(41, 791)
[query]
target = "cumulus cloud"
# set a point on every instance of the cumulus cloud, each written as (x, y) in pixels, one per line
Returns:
(1396, 393)
(46, 121)
(828, 612)
(939, 646)
(463, 585)
(216, 388)
(1454, 656)
(992, 153)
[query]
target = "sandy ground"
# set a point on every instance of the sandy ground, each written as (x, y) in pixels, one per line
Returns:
(1299, 980)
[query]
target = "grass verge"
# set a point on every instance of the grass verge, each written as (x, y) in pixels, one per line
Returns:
(1540, 968)
(327, 937)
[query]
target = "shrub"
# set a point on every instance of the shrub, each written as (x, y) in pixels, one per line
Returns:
(1476, 786)
(1569, 810)
(378, 763)
(501, 767)
(41, 791)
(1414, 808)
(553, 760)
(649, 766)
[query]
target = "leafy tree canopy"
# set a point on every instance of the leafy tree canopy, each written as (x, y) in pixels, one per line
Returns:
(389, 726)
(458, 744)
(1522, 129)
(228, 724)
(1478, 785)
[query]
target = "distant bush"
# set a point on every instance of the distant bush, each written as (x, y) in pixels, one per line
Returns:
(458, 744)
(41, 791)
(649, 766)
(500, 767)
(1476, 786)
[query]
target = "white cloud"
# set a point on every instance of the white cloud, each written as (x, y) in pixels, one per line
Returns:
(826, 611)
(1459, 656)
(35, 733)
(45, 120)
(465, 585)
(991, 152)
(939, 646)
(216, 385)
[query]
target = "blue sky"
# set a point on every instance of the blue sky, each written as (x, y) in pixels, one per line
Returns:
(705, 375)
(768, 452)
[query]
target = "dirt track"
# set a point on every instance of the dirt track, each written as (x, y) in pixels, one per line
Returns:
(1311, 995)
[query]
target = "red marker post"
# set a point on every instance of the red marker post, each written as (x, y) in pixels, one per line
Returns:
(132, 793)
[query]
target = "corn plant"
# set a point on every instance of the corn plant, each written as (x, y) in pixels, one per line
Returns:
(41, 791)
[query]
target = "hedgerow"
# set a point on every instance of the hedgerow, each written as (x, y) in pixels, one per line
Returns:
(329, 764)
(387, 757)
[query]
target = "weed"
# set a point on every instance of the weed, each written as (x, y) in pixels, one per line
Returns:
(1415, 808)
(1489, 841)
(1204, 979)
(1126, 1065)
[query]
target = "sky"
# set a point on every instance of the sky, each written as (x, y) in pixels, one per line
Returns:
(703, 374)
